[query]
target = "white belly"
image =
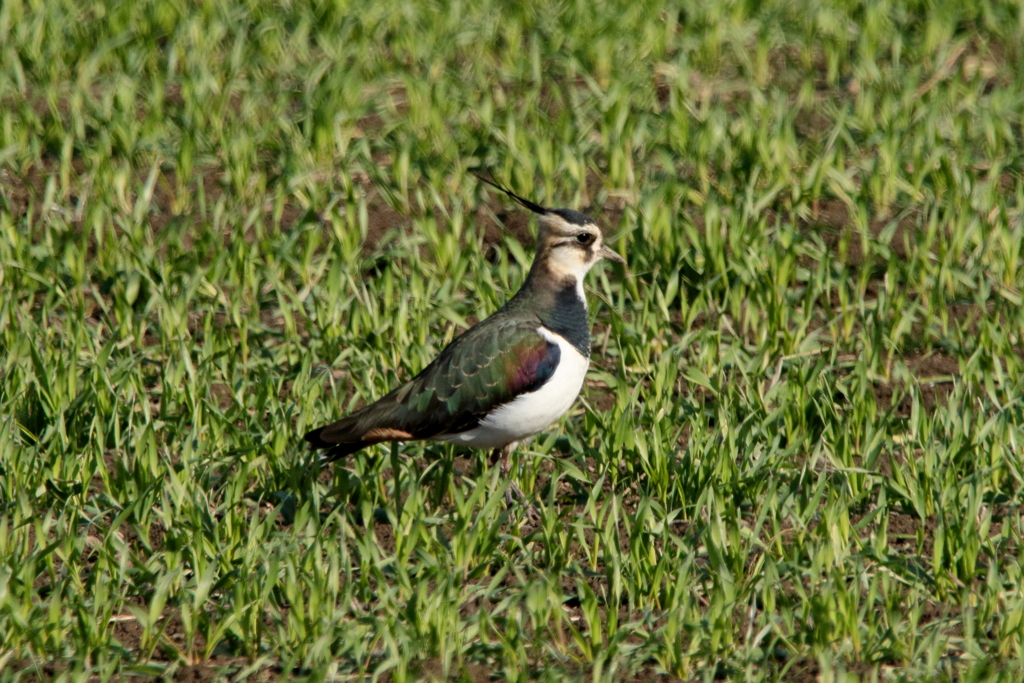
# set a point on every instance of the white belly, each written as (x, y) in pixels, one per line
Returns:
(529, 414)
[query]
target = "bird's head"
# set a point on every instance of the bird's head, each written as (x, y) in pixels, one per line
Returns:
(569, 243)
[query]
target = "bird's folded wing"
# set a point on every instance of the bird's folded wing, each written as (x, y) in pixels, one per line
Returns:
(488, 366)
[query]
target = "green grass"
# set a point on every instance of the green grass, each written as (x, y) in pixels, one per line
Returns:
(800, 451)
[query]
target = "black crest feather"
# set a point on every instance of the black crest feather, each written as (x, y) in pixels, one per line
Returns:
(568, 215)
(532, 206)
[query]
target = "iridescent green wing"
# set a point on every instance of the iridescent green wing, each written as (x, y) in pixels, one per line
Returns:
(485, 368)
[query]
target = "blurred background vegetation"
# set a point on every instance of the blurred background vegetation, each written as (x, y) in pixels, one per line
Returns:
(798, 453)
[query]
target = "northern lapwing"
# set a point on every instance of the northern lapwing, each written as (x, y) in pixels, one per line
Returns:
(509, 376)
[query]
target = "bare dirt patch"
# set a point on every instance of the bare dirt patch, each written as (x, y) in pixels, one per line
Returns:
(935, 376)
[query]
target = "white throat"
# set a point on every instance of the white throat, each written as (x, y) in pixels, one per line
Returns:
(566, 263)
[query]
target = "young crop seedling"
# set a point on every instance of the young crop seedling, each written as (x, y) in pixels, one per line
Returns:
(795, 455)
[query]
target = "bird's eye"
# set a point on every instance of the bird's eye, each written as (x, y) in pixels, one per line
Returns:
(584, 238)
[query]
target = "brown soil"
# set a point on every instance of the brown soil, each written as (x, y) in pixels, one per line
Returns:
(806, 670)
(385, 537)
(935, 374)
(902, 533)
(128, 632)
(433, 670)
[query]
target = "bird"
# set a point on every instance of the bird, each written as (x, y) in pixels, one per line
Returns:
(506, 378)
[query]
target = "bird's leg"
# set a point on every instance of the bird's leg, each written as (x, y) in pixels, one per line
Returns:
(504, 453)
(513, 493)
(396, 474)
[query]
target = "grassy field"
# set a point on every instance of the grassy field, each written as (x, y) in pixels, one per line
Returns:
(799, 455)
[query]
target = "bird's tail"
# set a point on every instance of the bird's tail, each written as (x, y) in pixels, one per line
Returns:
(335, 450)
(373, 424)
